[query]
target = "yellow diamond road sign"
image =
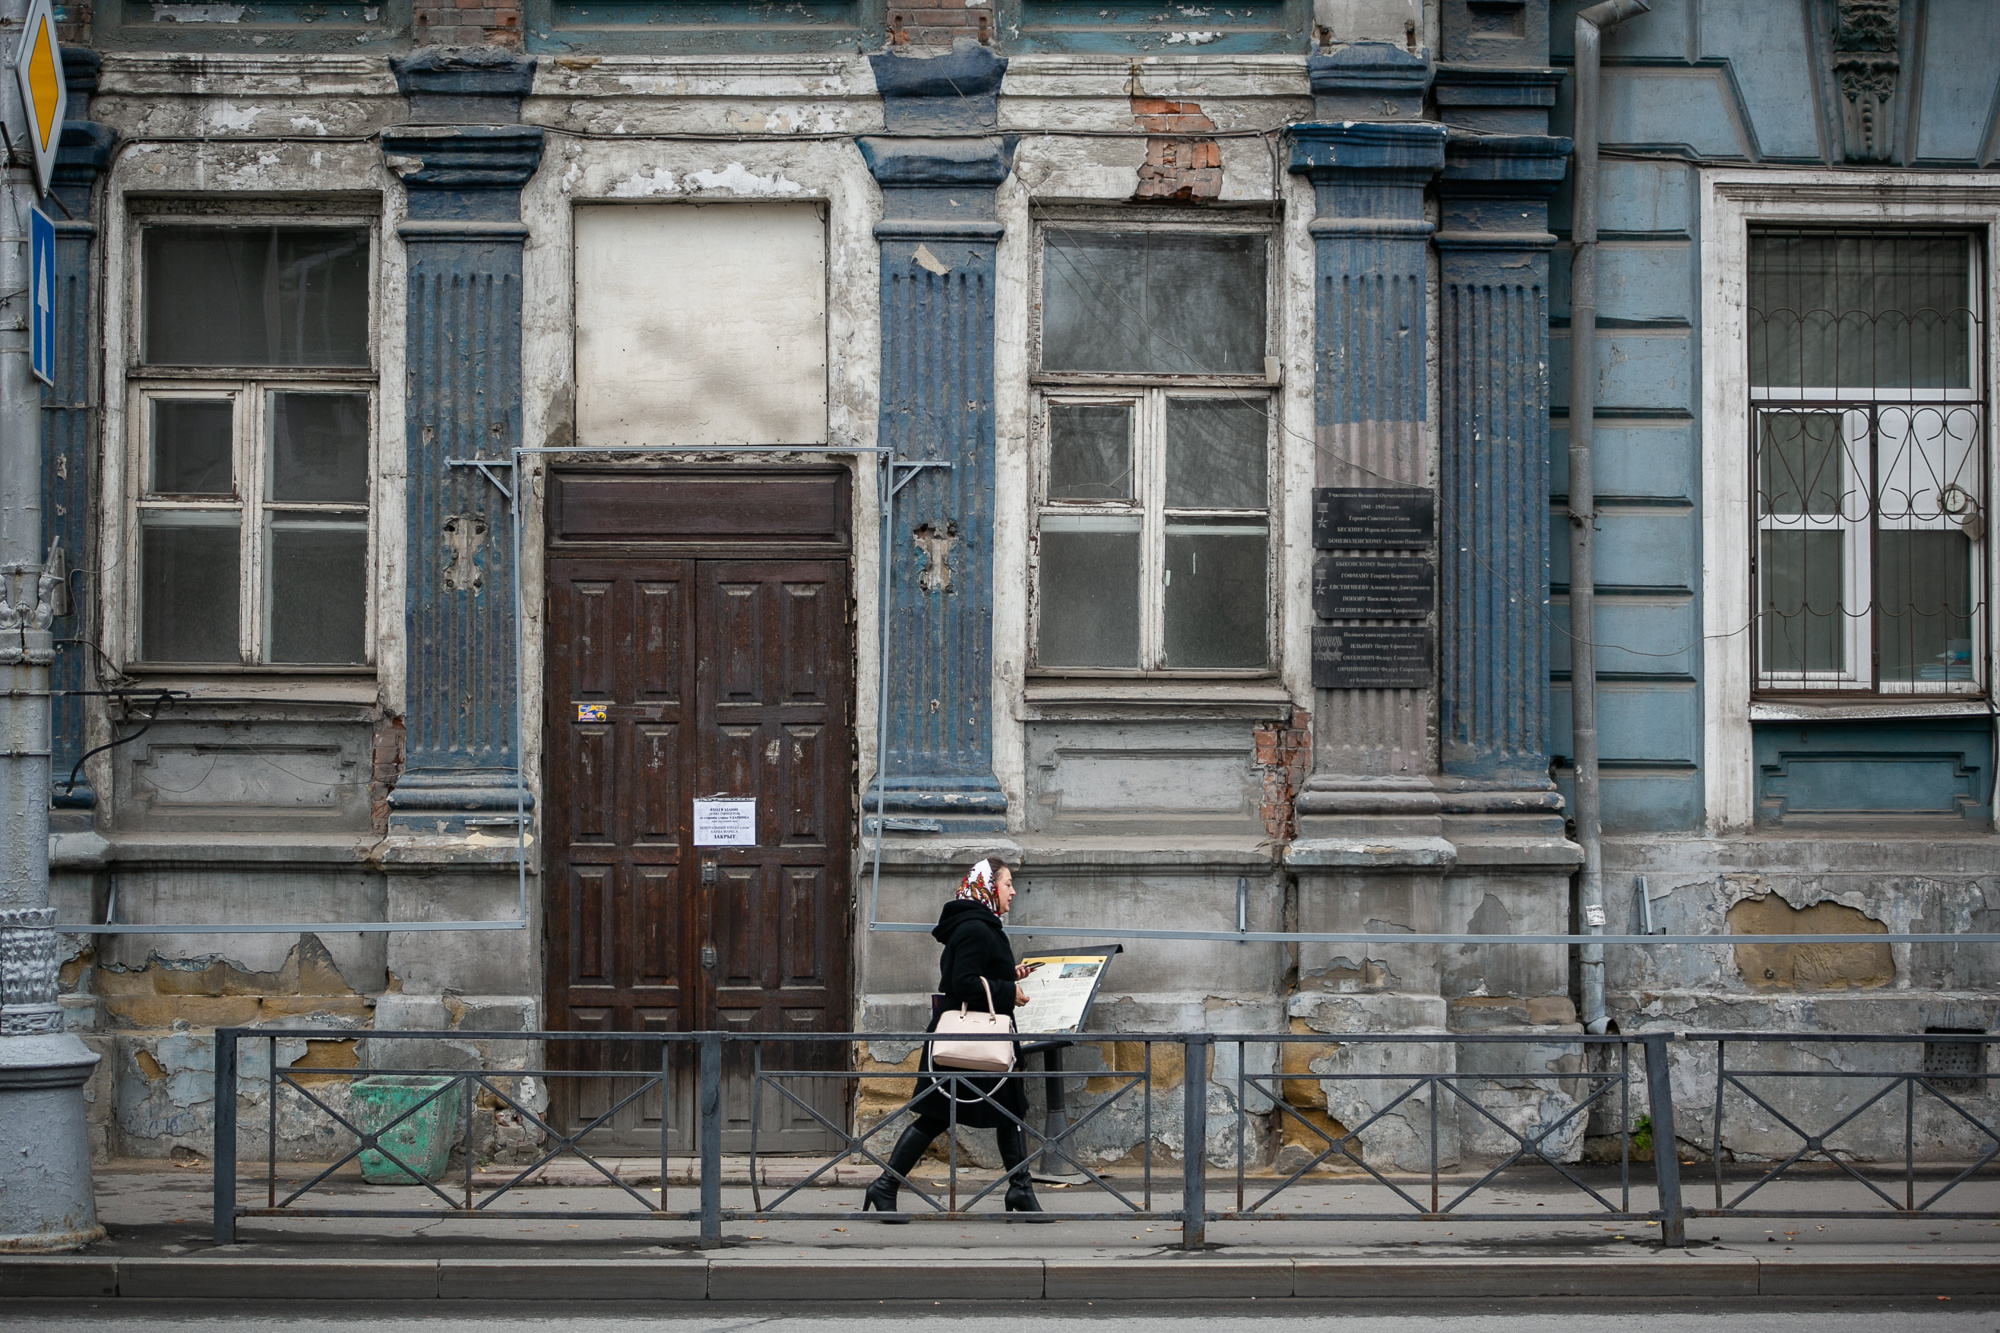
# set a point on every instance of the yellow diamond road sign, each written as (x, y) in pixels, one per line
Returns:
(38, 69)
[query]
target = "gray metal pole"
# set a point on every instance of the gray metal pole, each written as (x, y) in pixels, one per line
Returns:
(46, 1200)
(1194, 1141)
(1666, 1144)
(225, 1134)
(709, 1128)
(1583, 493)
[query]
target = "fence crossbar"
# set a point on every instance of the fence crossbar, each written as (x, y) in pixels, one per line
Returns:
(1531, 1146)
(569, 1144)
(364, 1139)
(1813, 1143)
(1355, 1134)
(855, 1143)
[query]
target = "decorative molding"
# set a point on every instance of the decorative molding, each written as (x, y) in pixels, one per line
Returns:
(476, 86)
(811, 78)
(28, 1004)
(1866, 63)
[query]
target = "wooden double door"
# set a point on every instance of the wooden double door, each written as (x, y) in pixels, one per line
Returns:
(672, 679)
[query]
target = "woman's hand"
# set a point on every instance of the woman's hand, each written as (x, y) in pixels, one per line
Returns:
(1022, 970)
(1020, 997)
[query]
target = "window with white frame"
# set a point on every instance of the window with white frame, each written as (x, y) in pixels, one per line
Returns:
(253, 402)
(1154, 421)
(1868, 440)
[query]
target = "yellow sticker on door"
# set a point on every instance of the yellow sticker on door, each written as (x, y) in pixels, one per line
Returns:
(593, 712)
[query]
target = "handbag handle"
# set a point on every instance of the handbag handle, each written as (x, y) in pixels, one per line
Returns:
(991, 1011)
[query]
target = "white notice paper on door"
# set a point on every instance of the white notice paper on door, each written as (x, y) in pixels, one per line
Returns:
(725, 822)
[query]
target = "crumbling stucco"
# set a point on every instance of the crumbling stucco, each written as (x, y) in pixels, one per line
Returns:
(1808, 966)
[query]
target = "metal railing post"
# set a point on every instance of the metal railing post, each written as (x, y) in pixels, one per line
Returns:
(1194, 1141)
(1666, 1147)
(711, 1140)
(225, 1134)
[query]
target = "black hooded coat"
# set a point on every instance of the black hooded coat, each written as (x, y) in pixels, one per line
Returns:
(975, 947)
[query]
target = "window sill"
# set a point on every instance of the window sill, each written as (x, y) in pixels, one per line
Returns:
(260, 685)
(1088, 697)
(1808, 711)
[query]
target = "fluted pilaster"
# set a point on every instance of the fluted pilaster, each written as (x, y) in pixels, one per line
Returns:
(463, 239)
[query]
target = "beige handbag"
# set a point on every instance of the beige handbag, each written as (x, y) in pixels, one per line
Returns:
(985, 1057)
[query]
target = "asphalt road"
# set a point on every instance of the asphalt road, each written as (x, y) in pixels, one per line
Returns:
(1959, 1316)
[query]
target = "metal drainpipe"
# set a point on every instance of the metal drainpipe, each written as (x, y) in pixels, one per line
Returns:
(1590, 23)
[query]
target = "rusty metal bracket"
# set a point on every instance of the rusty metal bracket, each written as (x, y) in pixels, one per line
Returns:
(486, 466)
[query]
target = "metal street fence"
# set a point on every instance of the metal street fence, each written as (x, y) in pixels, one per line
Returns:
(1265, 1117)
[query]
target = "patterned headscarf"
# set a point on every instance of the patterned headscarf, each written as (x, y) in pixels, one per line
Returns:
(977, 887)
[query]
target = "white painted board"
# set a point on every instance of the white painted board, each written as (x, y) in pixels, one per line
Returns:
(700, 324)
(725, 822)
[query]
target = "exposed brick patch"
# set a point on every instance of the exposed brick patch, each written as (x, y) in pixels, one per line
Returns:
(1283, 755)
(1177, 170)
(468, 23)
(1161, 116)
(385, 768)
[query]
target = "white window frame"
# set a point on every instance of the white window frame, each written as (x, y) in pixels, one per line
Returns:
(251, 389)
(1732, 200)
(1147, 393)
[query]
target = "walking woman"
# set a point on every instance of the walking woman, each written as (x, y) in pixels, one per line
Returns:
(975, 951)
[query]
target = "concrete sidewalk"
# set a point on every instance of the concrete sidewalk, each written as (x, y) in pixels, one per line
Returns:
(600, 1244)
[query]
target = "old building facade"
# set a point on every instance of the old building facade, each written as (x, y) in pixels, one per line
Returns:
(1130, 439)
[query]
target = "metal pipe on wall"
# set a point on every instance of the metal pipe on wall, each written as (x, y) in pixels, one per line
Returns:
(1590, 24)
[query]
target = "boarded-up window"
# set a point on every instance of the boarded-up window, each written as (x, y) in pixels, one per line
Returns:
(700, 324)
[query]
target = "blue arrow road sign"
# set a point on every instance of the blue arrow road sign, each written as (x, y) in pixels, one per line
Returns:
(42, 295)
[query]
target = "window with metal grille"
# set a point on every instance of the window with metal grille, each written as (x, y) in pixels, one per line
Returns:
(1868, 441)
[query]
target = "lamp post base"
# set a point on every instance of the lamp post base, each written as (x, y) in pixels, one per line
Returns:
(46, 1200)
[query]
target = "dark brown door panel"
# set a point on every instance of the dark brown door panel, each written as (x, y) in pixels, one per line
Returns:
(670, 680)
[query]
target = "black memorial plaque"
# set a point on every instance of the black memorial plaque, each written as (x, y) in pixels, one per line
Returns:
(1379, 657)
(1372, 587)
(1371, 516)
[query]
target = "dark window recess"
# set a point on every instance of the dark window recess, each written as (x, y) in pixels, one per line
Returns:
(1153, 302)
(1954, 1066)
(256, 296)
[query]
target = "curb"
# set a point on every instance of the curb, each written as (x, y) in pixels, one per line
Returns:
(1197, 1277)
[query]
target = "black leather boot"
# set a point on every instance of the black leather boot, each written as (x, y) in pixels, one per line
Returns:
(909, 1149)
(1013, 1155)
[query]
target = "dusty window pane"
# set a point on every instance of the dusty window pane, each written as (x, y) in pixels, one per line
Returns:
(1215, 595)
(256, 296)
(1090, 452)
(187, 573)
(1923, 598)
(1216, 453)
(1805, 625)
(1802, 464)
(1153, 301)
(319, 447)
(191, 446)
(319, 592)
(1089, 592)
(1860, 311)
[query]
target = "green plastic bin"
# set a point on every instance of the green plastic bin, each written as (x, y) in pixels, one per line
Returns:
(421, 1141)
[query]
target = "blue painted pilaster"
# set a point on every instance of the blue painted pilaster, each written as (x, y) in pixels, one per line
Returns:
(69, 422)
(463, 238)
(1493, 271)
(938, 235)
(1372, 750)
